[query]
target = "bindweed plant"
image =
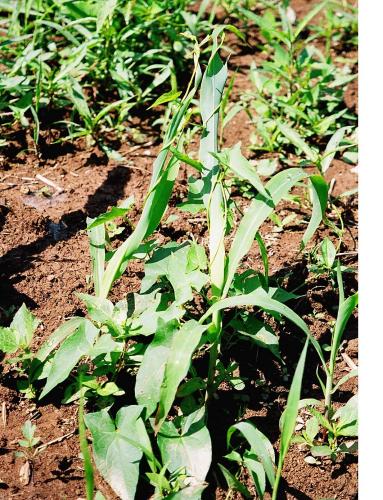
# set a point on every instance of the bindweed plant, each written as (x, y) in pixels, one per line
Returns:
(17, 338)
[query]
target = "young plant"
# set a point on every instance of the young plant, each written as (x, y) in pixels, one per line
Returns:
(345, 309)
(179, 312)
(28, 452)
(296, 88)
(95, 60)
(18, 337)
(340, 423)
(29, 442)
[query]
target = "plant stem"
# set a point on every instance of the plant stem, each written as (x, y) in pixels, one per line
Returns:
(327, 397)
(88, 469)
(217, 322)
(277, 480)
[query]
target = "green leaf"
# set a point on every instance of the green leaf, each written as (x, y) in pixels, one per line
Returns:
(242, 167)
(295, 139)
(257, 472)
(328, 251)
(102, 311)
(9, 341)
(322, 127)
(184, 343)
(188, 446)
(312, 428)
(151, 373)
(257, 213)
(343, 380)
(192, 492)
(213, 194)
(347, 417)
(260, 446)
(60, 334)
(175, 262)
(97, 252)
(212, 85)
(191, 386)
(196, 258)
(266, 166)
(258, 332)
(321, 419)
(166, 97)
(194, 203)
(149, 309)
(118, 447)
(346, 308)
(292, 405)
(233, 482)
(25, 324)
(321, 451)
(265, 259)
(186, 159)
(105, 11)
(331, 149)
(112, 214)
(76, 95)
(261, 299)
(319, 193)
(308, 17)
(71, 351)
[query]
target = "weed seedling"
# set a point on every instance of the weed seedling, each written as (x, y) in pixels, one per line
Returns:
(29, 451)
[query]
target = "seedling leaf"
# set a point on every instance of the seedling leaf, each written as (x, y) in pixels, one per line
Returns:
(260, 446)
(71, 351)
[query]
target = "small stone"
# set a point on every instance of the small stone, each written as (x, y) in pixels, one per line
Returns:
(25, 189)
(25, 473)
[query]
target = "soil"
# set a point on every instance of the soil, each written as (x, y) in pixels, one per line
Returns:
(44, 261)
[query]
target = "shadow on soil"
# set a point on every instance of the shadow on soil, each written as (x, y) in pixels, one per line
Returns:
(21, 258)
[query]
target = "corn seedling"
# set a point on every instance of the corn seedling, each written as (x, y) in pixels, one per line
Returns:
(327, 428)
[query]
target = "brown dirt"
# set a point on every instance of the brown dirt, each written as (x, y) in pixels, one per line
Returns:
(45, 259)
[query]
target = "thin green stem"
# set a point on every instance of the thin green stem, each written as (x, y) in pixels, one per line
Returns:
(214, 351)
(277, 480)
(88, 469)
(327, 400)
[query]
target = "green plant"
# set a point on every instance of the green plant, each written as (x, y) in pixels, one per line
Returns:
(329, 436)
(297, 88)
(18, 337)
(94, 60)
(174, 274)
(196, 300)
(29, 442)
(340, 423)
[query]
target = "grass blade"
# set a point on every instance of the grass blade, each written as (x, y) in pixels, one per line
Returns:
(259, 210)
(319, 192)
(290, 416)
